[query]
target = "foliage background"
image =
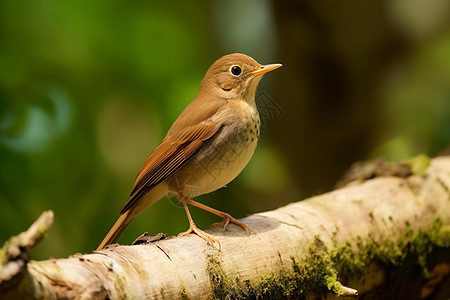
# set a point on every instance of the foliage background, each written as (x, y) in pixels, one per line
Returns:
(89, 88)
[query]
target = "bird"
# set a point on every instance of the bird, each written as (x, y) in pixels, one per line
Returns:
(207, 146)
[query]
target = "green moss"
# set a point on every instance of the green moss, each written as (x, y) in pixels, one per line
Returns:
(345, 260)
(419, 164)
(319, 272)
(2, 256)
(43, 230)
(412, 248)
(10, 250)
(440, 234)
(218, 279)
(316, 274)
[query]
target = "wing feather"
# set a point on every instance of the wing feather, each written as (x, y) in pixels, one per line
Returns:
(170, 156)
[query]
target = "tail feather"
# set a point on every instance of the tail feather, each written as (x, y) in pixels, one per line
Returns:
(117, 230)
(142, 204)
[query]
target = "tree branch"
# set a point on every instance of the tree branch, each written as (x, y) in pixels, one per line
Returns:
(386, 231)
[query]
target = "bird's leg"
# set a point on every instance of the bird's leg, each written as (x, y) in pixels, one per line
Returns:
(227, 218)
(194, 229)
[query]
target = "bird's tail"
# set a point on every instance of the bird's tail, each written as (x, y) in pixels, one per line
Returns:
(136, 208)
(117, 230)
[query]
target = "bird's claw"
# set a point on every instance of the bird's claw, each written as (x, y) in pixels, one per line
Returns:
(227, 219)
(210, 240)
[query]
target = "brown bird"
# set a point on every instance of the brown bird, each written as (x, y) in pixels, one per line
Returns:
(207, 147)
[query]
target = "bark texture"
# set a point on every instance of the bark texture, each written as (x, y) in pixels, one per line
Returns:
(387, 237)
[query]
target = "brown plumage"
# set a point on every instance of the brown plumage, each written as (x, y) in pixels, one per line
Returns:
(217, 126)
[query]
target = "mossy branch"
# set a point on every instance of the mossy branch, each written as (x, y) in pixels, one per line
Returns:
(386, 231)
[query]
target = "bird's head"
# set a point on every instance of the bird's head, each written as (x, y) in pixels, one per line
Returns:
(234, 76)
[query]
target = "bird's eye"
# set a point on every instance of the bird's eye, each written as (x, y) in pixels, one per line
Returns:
(236, 70)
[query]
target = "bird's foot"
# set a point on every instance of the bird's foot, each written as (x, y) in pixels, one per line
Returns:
(227, 219)
(207, 237)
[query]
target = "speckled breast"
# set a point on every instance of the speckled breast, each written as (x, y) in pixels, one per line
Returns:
(223, 157)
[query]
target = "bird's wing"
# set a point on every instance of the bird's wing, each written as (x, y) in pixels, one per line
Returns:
(172, 154)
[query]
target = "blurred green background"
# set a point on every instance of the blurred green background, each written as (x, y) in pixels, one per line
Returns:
(89, 88)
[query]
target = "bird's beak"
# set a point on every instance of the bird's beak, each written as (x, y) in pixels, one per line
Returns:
(264, 69)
